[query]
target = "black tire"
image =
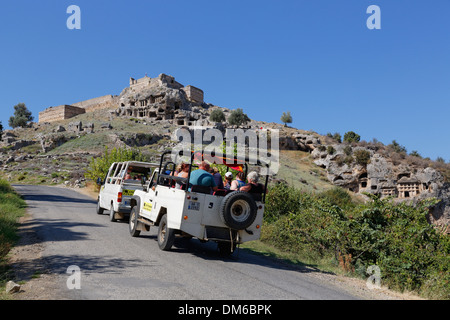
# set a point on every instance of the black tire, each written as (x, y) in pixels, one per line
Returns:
(99, 210)
(166, 236)
(112, 214)
(133, 224)
(225, 248)
(238, 210)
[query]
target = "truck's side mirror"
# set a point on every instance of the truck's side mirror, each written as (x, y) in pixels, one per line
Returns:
(99, 181)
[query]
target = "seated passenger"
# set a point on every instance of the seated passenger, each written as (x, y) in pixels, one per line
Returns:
(239, 182)
(217, 177)
(201, 177)
(184, 172)
(128, 175)
(253, 186)
(228, 180)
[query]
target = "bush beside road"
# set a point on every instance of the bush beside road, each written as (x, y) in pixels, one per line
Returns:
(12, 207)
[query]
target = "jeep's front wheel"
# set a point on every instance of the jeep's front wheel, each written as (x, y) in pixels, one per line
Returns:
(166, 236)
(99, 209)
(133, 224)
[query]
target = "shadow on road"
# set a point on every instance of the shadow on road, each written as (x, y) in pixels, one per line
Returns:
(55, 230)
(57, 199)
(208, 251)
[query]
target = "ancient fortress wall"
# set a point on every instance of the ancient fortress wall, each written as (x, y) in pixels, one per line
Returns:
(95, 101)
(63, 112)
(60, 113)
(68, 111)
(193, 93)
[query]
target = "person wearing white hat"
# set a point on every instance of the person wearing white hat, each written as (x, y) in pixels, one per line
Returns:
(228, 179)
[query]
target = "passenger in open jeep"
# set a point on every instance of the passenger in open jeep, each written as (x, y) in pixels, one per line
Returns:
(201, 179)
(239, 182)
(184, 173)
(128, 175)
(253, 187)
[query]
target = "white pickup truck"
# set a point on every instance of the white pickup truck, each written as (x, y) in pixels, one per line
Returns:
(120, 183)
(228, 218)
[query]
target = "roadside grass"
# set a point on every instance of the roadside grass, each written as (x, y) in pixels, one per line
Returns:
(12, 207)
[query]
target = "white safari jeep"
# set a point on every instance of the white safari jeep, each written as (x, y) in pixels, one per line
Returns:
(228, 218)
(117, 187)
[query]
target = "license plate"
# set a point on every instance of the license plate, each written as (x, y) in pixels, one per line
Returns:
(194, 205)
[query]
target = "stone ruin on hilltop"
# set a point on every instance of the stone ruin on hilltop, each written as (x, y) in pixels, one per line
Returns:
(160, 98)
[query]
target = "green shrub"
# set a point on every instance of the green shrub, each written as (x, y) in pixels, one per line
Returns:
(411, 254)
(351, 136)
(217, 115)
(362, 157)
(348, 150)
(238, 117)
(331, 150)
(98, 167)
(12, 206)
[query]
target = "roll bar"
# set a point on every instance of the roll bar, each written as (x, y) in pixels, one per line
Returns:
(194, 153)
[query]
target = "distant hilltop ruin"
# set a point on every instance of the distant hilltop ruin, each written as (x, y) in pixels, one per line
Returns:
(160, 98)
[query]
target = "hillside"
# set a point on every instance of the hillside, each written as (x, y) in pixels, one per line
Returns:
(146, 115)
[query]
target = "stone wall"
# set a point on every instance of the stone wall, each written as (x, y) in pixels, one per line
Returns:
(88, 104)
(59, 113)
(193, 94)
(160, 98)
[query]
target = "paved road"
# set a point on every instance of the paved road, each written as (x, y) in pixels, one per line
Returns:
(116, 266)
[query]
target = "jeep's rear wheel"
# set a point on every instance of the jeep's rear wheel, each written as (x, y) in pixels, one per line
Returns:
(112, 214)
(166, 236)
(225, 248)
(134, 223)
(238, 210)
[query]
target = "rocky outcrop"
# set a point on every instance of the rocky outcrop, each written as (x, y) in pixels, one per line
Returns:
(381, 176)
(162, 98)
(53, 140)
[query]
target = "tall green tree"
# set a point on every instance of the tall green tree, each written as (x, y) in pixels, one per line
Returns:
(286, 118)
(238, 117)
(21, 116)
(217, 115)
(351, 136)
(1, 130)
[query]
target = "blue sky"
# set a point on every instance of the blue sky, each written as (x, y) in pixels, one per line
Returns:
(316, 59)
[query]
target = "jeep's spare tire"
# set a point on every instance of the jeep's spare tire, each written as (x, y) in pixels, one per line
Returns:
(238, 210)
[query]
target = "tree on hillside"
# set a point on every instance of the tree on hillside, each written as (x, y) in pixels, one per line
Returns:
(238, 117)
(286, 118)
(1, 130)
(217, 115)
(21, 116)
(396, 147)
(415, 153)
(351, 136)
